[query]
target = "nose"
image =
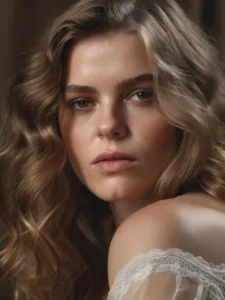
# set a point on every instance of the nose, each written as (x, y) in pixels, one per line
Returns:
(112, 123)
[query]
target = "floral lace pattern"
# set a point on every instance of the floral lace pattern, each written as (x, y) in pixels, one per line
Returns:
(184, 264)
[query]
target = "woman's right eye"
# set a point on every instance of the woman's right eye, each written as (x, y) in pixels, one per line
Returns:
(80, 104)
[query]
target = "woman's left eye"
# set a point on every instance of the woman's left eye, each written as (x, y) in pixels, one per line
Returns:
(142, 95)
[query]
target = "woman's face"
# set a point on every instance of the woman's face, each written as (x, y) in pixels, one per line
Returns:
(108, 107)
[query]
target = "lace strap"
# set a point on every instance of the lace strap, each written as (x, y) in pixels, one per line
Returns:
(181, 263)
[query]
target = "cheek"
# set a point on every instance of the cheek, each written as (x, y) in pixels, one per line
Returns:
(75, 144)
(160, 136)
(70, 137)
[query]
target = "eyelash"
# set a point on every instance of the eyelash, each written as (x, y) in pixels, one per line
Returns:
(73, 102)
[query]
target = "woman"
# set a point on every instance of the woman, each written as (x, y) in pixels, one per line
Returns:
(113, 168)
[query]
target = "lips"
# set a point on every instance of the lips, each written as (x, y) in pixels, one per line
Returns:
(110, 156)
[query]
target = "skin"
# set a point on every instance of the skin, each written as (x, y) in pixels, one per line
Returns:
(114, 119)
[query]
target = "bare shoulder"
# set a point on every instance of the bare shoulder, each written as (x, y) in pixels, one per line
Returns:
(191, 223)
(152, 227)
(201, 218)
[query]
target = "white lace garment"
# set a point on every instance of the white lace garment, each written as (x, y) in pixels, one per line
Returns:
(169, 275)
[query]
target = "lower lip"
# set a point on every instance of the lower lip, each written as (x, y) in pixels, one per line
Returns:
(114, 165)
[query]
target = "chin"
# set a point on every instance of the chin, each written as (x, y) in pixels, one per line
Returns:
(116, 193)
(119, 188)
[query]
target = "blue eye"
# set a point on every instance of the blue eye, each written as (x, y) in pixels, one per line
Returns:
(80, 104)
(143, 95)
(138, 96)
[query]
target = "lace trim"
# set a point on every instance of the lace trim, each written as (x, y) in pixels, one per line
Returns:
(185, 264)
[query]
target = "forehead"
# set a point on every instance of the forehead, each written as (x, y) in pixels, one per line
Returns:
(110, 55)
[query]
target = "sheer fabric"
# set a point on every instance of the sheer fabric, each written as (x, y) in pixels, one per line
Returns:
(169, 275)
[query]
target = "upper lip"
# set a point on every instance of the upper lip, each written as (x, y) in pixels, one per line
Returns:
(112, 156)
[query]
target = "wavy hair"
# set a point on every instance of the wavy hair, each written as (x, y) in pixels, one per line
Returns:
(57, 233)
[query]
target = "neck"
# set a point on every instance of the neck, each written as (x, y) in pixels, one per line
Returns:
(122, 209)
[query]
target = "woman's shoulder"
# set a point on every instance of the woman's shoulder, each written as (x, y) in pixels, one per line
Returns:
(152, 227)
(192, 223)
(198, 221)
(201, 218)
(184, 212)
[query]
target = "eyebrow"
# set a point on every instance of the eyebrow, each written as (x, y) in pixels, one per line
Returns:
(146, 77)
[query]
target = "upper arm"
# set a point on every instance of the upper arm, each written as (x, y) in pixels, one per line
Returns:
(152, 228)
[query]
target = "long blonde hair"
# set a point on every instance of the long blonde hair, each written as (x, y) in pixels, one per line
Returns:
(57, 232)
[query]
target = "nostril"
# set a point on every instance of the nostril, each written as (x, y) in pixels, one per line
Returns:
(116, 133)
